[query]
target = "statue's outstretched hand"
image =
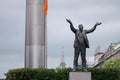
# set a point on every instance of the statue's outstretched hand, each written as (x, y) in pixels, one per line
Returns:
(69, 21)
(98, 23)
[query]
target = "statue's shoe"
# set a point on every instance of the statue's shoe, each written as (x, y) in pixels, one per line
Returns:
(84, 70)
(74, 70)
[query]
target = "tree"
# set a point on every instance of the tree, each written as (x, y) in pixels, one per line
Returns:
(112, 63)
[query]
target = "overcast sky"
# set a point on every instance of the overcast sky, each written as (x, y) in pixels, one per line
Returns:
(86, 12)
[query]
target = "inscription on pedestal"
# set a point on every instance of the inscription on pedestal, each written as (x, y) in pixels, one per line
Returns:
(80, 76)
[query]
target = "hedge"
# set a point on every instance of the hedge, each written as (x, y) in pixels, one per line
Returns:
(59, 74)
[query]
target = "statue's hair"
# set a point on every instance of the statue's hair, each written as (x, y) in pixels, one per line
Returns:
(80, 26)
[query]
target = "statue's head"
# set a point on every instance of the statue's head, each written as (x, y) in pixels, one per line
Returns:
(80, 27)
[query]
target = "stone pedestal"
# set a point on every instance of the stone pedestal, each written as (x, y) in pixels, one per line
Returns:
(80, 76)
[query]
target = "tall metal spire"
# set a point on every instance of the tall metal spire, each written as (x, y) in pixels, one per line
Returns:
(62, 63)
(97, 49)
(36, 34)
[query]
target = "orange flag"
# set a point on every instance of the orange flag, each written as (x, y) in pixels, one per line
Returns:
(45, 7)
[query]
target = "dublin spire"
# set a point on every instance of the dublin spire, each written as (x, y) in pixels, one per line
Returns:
(36, 34)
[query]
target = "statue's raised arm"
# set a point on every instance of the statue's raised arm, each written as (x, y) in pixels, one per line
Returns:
(71, 25)
(94, 27)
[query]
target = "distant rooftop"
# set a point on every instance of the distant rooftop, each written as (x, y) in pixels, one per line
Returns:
(117, 46)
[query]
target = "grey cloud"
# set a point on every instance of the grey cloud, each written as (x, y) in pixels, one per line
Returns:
(12, 25)
(79, 4)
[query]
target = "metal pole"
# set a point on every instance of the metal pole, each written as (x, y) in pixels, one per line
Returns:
(36, 35)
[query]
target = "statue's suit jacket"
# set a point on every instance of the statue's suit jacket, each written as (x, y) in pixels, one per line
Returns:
(84, 33)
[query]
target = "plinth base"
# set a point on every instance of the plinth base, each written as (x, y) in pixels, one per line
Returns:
(80, 76)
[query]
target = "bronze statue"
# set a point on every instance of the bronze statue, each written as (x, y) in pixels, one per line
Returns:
(81, 43)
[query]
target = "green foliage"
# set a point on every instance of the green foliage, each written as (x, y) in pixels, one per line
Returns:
(62, 74)
(112, 63)
(59, 74)
(31, 74)
(105, 74)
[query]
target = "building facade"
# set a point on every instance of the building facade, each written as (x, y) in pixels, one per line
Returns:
(113, 52)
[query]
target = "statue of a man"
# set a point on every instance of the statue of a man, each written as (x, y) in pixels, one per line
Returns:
(81, 43)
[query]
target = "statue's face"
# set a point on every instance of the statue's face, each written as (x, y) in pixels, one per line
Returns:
(80, 27)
